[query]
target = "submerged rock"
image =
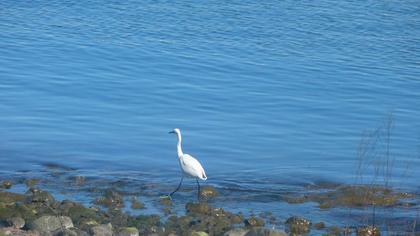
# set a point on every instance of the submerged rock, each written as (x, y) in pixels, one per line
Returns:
(136, 204)
(298, 225)
(111, 199)
(352, 196)
(319, 225)
(335, 231)
(31, 182)
(166, 201)
(79, 180)
(6, 184)
(198, 208)
(208, 192)
(51, 223)
(368, 231)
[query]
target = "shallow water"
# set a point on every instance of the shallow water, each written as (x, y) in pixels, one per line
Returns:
(269, 96)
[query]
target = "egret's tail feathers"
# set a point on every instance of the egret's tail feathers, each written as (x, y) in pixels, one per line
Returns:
(203, 176)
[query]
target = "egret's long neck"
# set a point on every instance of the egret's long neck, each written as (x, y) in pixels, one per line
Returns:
(178, 146)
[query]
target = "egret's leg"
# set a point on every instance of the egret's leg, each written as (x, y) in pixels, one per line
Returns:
(177, 188)
(198, 193)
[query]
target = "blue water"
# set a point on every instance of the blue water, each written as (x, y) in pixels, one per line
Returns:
(268, 94)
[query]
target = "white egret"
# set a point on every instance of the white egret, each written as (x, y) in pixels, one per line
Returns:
(189, 165)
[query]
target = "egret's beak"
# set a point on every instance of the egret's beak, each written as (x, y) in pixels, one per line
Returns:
(171, 132)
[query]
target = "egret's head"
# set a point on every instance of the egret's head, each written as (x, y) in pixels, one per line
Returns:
(175, 131)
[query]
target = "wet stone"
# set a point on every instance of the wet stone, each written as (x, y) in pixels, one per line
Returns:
(368, 231)
(254, 222)
(208, 192)
(111, 199)
(198, 208)
(166, 211)
(31, 182)
(79, 180)
(319, 225)
(298, 225)
(336, 231)
(6, 184)
(38, 196)
(166, 201)
(16, 222)
(136, 204)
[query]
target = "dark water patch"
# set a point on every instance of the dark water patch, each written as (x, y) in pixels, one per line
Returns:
(52, 166)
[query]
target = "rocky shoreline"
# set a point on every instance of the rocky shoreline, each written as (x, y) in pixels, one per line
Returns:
(37, 212)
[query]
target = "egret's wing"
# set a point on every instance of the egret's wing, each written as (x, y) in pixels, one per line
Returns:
(192, 167)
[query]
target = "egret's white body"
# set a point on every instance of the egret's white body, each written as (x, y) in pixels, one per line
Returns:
(190, 166)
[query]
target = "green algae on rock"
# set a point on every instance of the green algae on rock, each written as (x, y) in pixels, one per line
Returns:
(7, 198)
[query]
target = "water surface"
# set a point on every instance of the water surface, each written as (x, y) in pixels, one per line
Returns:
(269, 95)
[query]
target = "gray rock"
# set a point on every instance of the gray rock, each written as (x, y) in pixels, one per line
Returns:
(51, 223)
(65, 232)
(101, 230)
(236, 232)
(127, 231)
(265, 232)
(16, 222)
